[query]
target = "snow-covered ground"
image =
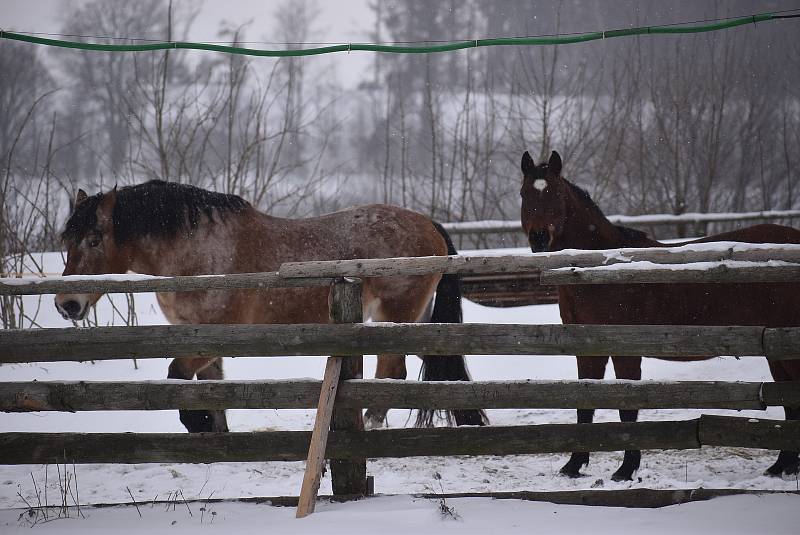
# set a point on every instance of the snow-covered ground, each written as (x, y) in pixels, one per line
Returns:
(402, 515)
(709, 467)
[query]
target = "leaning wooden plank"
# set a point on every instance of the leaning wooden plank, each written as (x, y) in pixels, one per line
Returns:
(315, 460)
(147, 283)
(82, 448)
(46, 345)
(387, 267)
(72, 396)
(749, 432)
(697, 273)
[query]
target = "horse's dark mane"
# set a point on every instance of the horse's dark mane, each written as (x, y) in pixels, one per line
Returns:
(82, 220)
(627, 232)
(156, 208)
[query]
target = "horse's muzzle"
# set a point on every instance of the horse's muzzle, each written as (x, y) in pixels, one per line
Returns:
(72, 309)
(539, 240)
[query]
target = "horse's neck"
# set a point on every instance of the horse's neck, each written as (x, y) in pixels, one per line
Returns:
(588, 228)
(208, 249)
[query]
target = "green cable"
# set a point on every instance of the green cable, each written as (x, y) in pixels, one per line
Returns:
(395, 49)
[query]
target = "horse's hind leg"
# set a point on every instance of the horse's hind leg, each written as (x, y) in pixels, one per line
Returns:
(588, 368)
(389, 367)
(788, 461)
(628, 368)
(198, 421)
(399, 300)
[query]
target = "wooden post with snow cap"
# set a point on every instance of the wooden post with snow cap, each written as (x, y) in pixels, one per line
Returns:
(348, 477)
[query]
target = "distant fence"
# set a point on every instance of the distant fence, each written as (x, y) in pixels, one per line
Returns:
(341, 395)
(650, 220)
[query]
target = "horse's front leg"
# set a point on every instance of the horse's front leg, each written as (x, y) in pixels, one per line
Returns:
(199, 421)
(389, 367)
(628, 368)
(588, 368)
(788, 461)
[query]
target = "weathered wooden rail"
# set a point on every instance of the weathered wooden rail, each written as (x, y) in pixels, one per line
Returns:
(158, 341)
(771, 258)
(468, 265)
(343, 393)
(43, 448)
(70, 396)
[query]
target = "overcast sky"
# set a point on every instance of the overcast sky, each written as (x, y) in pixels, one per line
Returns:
(337, 21)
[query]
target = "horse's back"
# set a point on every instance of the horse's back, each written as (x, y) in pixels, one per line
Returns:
(766, 233)
(369, 231)
(768, 304)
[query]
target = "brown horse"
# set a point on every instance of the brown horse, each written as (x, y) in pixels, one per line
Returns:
(162, 228)
(557, 215)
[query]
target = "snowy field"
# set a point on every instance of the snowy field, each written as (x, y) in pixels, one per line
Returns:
(708, 468)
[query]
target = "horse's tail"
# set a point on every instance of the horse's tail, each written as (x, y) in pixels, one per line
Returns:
(447, 309)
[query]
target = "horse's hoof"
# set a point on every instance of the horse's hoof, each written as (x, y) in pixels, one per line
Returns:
(374, 423)
(622, 475)
(570, 473)
(788, 463)
(571, 470)
(573, 467)
(778, 469)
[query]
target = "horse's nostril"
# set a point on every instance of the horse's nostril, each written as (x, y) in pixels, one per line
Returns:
(71, 308)
(539, 240)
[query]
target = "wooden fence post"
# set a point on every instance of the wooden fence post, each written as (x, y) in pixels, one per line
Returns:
(349, 477)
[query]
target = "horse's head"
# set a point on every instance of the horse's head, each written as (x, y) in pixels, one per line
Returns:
(544, 207)
(91, 250)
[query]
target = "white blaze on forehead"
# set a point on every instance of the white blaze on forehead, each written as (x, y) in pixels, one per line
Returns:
(540, 184)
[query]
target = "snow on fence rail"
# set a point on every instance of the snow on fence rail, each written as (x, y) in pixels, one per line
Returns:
(346, 443)
(470, 265)
(743, 262)
(503, 226)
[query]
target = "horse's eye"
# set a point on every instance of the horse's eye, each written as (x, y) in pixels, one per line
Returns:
(94, 242)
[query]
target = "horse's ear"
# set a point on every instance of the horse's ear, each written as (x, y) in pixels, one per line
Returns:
(80, 197)
(554, 165)
(528, 167)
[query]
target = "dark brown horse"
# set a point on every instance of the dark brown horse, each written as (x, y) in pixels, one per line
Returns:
(557, 215)
(162, 228)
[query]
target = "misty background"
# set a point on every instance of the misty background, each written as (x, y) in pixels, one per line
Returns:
(654, 124)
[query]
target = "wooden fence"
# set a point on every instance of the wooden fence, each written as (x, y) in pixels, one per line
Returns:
(338, 433)
(520, 289)
(650, 220)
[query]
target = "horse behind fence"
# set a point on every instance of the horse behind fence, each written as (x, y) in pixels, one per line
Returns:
(169, 229)
(557, 214)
